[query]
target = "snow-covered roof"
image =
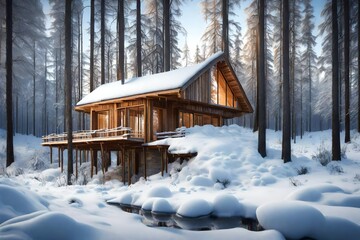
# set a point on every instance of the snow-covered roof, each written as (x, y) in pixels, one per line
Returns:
(147, 84)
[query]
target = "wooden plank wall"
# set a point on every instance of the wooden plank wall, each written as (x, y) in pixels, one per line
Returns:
(199, 90)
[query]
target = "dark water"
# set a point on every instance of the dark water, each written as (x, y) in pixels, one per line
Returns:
(204, 223)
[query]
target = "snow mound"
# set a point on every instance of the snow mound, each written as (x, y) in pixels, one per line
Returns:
(313, 194)
(201, 181)
(18, 201)
(226, 205)
(162, 206)
(295, 220)
(159, 191)
(40, 226)
(339, 228)
(195, 208)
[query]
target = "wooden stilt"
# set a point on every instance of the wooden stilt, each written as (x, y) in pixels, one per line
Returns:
(59, 156)
(92, 162)
(81, 155)
(166, 160)
(76, 162)
(118, 158)
(51, 155)
(103, 160)
(162, 162)
(129, 173)
(123, 164)
(144, 156)
(62, 160)
(95, 161)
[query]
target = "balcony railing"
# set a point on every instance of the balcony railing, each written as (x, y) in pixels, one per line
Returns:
(85, 135)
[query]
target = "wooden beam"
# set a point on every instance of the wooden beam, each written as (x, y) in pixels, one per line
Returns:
(123, 164)
(51, 155)
(59, 160)
(76, 162)
(62, 160)
(129, 178)
(92, 162)
(144, 156)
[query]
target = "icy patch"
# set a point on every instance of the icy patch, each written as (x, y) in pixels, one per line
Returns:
(195, 208)
(295, 220)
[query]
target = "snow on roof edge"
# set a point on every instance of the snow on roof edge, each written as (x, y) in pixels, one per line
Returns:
(139, 85)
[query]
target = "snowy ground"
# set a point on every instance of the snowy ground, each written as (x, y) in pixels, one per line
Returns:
(227, 178)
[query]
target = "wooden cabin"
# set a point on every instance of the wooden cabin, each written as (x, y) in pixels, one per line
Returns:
(125, 117)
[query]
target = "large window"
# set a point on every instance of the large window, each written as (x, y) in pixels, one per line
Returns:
(121, 118)
(157, 121)
(136, 119)
(220, 91)
(190, 119)
(103, 120)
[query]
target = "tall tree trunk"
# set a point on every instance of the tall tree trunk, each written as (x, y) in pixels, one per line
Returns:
(102, 41)
(46, 121)
(138, 38)
(79, 53)
(292, 71)
(310, 95)
(286, 137)
(9, 110)
(335, 85)
(225, 27)
(92, 36)
(261, 81)
(167, 56)
(68, 87)
(347, 68)
(56, 91)
(121, 35)
(358, 63)
(33, 98)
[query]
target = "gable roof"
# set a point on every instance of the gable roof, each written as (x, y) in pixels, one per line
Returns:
(165, 81)
(175, 80)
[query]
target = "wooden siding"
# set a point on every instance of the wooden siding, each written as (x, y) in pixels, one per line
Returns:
(199, 90)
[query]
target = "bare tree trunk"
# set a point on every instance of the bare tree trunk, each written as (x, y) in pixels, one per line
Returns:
(166, 17)
(358, 63)
(92, 36)
(346, 25)
(335, 85)
(121, 34)
(286, 138)
(138, 38)
(102, 41)
(261, 81)
(46, 120)
(9, 110)
(225, 27)
(34, 77)
(56, 91)
(68, 87)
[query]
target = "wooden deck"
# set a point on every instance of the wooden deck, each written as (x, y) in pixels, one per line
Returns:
(86, 137)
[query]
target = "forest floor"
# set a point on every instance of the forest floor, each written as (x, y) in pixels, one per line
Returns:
(308, 197)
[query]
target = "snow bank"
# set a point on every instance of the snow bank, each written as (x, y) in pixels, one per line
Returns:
(295, 220)
(17, 201)
(44, 226)
(227, 206)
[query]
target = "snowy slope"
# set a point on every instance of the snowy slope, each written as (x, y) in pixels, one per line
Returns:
(227, 178)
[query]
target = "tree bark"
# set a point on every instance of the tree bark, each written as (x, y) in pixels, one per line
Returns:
(92, 36)
(261, 81)
(286, 137)
(121, 34)
(358, 63)
(33, 100)
(68, 87)
(335, 85)
(102, 41)
(9, 111)
(225, 27)
(347, 68)
(166, 16)
(138, 38)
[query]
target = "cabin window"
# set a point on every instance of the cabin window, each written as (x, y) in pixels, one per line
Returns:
(229, 97)
(136, 120)
(186, 119)
(220, 91)
(121, 119)
(157, 121)
(103, 120)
